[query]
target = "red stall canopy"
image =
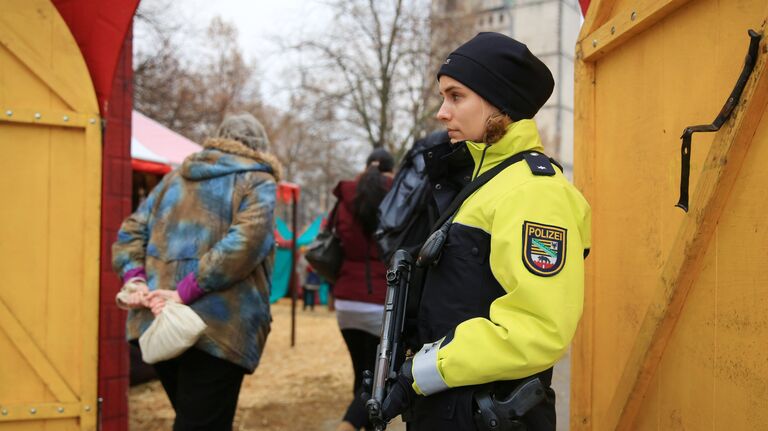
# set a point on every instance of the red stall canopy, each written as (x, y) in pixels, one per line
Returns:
(155, 148)
(288, 192)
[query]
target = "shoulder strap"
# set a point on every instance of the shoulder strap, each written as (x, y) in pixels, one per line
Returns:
(330, 226)
(474, 185)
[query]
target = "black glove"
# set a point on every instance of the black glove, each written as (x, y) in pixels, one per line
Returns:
(366, 387)
(401, 394)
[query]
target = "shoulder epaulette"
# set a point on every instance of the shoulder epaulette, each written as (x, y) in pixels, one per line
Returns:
(539, 164)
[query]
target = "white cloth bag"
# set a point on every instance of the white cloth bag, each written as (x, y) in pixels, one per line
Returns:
(173, 331)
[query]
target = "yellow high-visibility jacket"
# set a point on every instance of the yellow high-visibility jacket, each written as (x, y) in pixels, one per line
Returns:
(504, 299)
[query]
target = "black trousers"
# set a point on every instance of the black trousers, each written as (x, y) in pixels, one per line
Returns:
(203, 390)
(362, 348)
(452, 410)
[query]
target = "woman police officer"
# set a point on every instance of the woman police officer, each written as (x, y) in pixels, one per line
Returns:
(502, 302)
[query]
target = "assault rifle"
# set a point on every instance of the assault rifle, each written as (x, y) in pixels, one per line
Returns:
(390, 350)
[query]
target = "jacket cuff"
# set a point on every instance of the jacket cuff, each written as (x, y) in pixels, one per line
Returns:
(188, 289)
(427, 379)
(137, 272)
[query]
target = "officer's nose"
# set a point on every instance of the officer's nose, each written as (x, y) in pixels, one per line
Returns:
(443, 114)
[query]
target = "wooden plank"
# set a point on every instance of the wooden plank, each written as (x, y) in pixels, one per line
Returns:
(738, 357)
(624, 25)
(49, 112)
(15, 45)
(47, 117)
(38, 411)
(24, 254)
(722, 165)
(681, 395)
(90, 288)
(584, 148)
(599, 11)
(36, 358)
(63, 343)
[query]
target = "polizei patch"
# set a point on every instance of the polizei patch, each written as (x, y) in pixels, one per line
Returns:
(543, 248)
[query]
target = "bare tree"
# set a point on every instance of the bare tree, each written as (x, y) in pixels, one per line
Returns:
(367, 81)
(188, 80)
(311, 155)
(192, 97)
(358, 66)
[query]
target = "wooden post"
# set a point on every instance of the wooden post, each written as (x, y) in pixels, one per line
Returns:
(293, 279)
(584, 155)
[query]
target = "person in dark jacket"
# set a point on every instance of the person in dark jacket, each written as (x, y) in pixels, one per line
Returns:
(312, 283)
(360, 287)
(431, 173)
(428, 178)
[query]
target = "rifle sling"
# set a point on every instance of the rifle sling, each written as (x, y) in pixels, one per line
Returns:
(417, 276)
(472, 187)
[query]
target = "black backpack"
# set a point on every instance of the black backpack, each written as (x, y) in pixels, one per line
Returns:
(405, 217)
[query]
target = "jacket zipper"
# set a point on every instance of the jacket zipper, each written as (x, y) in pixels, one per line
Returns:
(480, 165)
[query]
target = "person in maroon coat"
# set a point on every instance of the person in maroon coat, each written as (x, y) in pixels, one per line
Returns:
(361, 285)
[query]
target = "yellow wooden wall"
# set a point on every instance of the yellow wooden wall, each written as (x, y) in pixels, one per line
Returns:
(675, 330)
(50, 141)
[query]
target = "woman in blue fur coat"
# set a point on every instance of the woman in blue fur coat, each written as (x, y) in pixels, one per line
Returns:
(204, 237)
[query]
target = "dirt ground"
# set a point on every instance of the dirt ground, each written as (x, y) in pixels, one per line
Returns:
(307, 387)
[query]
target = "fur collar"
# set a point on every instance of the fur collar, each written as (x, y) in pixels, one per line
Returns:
(231, 146)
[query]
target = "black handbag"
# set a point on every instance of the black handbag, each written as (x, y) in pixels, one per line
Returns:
(325, 253)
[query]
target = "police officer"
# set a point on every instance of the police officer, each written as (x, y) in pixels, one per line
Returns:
(502, 302)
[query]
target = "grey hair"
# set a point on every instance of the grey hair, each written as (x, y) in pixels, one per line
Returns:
(246, 129)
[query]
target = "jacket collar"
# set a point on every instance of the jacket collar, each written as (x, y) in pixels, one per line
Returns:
(448, 160)
(521, 135)
(231, 146)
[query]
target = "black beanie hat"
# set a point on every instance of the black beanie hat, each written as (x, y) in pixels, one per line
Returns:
(383, 157)
(502, 71)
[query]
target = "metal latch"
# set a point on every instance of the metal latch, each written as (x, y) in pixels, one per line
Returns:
(722, 117)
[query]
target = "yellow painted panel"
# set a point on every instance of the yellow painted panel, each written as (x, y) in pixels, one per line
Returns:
(91, 265)
(24, 248)
(714, 373)
(65, 290)
(685, 376)
(675, 74)
(25, 214)
(44, 222)
(42, 425)
(28, 91)
(16, 369)
(649, 419)
(741, 362)
(582, 346)
(622, 5)
(49, 51)
(50, 180)
(633, 190)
